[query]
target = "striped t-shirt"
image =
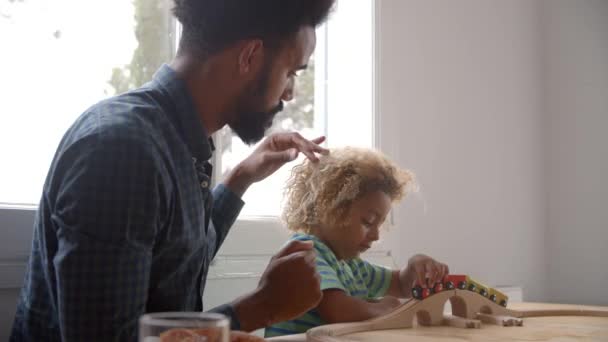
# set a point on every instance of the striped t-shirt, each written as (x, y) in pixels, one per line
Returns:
(356, 277)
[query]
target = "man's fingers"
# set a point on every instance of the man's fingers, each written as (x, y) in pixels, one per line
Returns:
(302, 262)
(309, 148)
(318, 140)
(293, 247)
(284, 141)
(311, 156)
(313, 145)
(282, 157)
(320, 149)
(308, 256)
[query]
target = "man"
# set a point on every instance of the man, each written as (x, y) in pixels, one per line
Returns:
(127, 223)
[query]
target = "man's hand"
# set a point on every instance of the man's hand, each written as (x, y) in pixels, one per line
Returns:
(269, 156)
(420, 268)
(289, 287)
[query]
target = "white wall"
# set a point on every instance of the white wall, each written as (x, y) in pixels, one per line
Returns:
(576, 85)
(460, 103)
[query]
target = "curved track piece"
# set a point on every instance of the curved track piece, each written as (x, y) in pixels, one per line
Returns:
(555, 310)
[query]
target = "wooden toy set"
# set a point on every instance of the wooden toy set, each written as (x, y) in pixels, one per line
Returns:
(461, 282)
(473, 303)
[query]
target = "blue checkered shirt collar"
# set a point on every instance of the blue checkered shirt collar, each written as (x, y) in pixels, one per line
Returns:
(186, 117)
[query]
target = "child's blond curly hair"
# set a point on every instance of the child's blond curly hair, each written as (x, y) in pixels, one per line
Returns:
(323, 192)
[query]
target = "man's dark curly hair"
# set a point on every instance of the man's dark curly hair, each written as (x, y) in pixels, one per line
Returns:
(209, 26)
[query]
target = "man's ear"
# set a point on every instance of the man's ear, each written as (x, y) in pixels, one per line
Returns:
(251, 57)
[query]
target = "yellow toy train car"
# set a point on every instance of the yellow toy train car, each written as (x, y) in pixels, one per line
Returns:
(462, 282)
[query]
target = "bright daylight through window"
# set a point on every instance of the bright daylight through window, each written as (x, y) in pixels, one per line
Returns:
(60, 57)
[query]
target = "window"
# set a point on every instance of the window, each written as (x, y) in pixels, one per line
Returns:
(333, 97)
(72, 61)
(59, 57)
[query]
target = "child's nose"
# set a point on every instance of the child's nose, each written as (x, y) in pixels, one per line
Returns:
(374, 234)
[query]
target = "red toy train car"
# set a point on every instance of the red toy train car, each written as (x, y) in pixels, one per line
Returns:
(462, 282)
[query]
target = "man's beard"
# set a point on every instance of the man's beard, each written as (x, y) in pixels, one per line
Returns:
(251, 124)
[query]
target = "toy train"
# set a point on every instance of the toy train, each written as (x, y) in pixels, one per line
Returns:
(462, 282)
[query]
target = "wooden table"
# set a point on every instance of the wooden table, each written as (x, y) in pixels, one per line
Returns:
(553, 328)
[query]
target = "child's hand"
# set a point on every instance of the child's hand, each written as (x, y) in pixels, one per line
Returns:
(421, 267)
(390, 302)
(388, 299)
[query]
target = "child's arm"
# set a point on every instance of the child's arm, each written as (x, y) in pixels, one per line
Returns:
(418, 269)
(337, 307)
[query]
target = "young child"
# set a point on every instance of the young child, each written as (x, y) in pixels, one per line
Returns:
(340, 204)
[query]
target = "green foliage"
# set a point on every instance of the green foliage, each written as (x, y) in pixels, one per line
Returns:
(299, 112)
(153, 32)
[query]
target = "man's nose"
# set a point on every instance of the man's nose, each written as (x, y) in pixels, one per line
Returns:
(288, 92)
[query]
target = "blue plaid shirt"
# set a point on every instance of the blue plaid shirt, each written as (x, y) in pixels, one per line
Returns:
(127, 223)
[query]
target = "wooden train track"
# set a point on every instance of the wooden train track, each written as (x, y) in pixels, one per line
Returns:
(469, 310)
